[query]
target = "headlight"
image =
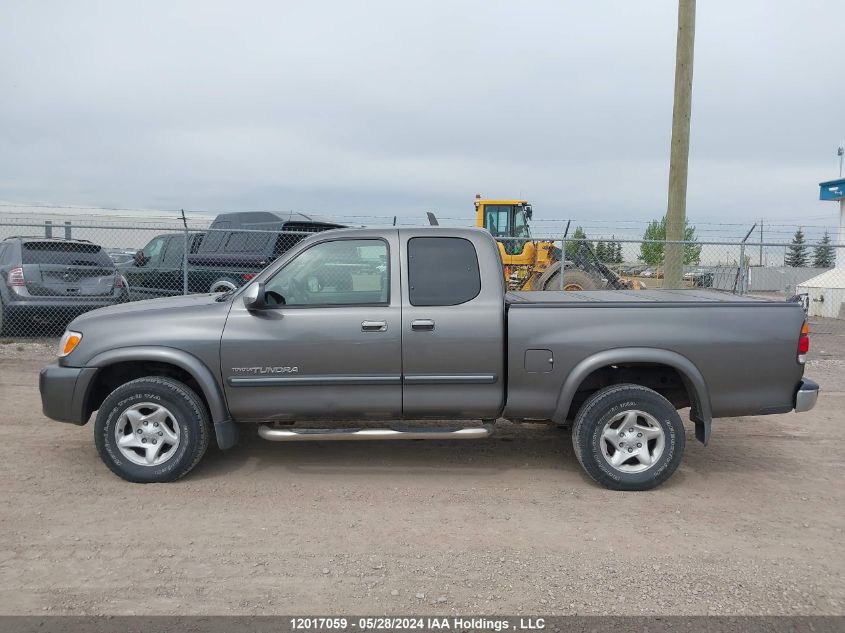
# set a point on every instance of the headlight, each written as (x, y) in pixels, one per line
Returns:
(69, 342)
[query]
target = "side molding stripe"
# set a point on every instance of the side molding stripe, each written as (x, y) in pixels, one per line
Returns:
(316, 381)
(450, 379)
(313, 381)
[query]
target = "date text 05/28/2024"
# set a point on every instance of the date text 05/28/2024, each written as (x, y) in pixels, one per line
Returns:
(416, 624)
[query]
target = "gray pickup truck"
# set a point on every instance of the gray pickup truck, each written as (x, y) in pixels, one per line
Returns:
(415, 324)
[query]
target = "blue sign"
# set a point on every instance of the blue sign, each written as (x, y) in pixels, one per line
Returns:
(832, 189)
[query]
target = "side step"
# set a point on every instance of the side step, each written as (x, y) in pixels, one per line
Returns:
(419, 433)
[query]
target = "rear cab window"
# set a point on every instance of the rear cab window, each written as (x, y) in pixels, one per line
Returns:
(442, 271)
(246, 242)
(65, 254)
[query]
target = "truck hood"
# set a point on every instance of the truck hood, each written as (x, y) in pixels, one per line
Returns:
(151, 306)
(192, 323)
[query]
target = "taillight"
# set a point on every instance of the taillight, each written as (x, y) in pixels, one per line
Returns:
(248, 276)
(15, 277)
(804, 343)
(118, 281)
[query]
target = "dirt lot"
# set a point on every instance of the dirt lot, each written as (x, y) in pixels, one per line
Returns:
(752, 524)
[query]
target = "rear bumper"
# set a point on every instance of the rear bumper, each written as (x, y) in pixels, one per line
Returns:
(806, 396)
(64, 391)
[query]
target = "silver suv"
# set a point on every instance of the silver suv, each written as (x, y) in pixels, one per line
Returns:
(52, 281)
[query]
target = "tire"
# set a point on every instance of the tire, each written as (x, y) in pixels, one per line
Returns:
(222, 285)
(657, 427)
(161, 411)
(574, 280)
(9, 322)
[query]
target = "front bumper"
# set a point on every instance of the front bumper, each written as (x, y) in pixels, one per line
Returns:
(806, 396)
(64, 391)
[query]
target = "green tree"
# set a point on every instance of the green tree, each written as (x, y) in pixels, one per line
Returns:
(823, 255)
(614, 251)
(652, 253)
(797, 255)
(573, 243)
(601, 251)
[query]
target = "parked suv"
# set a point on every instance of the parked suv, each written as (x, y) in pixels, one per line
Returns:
(51, 281)
(238, 243)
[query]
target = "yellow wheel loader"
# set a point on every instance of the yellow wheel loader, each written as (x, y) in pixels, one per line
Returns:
(536, 264)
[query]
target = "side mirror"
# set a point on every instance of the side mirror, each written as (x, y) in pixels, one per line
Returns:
(254, 297)
(139, 258)
(529, 212)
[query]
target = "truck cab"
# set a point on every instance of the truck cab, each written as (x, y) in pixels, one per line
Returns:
(359, 343)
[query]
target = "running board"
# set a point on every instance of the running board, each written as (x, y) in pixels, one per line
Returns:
(419, 433)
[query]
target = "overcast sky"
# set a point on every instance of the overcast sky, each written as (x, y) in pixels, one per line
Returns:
(392, 107)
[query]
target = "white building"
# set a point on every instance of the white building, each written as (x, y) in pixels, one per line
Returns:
(826, 294)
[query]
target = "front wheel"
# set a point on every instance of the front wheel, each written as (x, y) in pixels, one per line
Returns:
(628, 437)
(152, 429)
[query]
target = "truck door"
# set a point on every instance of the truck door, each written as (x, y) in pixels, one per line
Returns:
(452, 330)
(332, 349)
(143, 275)
(170, 272)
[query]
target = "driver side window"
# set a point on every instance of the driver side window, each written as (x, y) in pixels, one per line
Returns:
(152, 251)
(340, 272)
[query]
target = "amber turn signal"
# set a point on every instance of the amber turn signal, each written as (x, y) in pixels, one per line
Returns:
(68, 343)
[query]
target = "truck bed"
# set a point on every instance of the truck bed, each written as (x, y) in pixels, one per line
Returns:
(744, 347)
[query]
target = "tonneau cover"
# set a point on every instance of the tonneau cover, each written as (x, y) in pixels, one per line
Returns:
(692, 295)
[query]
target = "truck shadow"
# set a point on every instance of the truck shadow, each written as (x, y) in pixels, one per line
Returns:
(528, 449)
(546, 448)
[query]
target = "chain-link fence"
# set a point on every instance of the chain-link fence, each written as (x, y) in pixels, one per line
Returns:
(620, 264)
(53, 270)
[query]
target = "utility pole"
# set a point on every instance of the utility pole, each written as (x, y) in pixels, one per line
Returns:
(679, 154)
(761, 241)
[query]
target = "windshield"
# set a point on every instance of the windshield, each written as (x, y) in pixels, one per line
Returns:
(497, 218)
(506, 220)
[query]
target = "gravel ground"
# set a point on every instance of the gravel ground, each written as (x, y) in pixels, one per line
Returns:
(750, 525)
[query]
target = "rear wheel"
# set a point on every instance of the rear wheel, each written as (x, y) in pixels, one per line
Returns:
(8, 324)
(628, 437)
(152, 429)
(573, 280)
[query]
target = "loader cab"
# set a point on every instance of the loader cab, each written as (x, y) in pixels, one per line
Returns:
(504, 219)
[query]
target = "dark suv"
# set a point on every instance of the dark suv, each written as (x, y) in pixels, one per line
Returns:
(51, 281)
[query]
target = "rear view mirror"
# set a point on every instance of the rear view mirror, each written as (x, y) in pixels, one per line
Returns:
(254, 297)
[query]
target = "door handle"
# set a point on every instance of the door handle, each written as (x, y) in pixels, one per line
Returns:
(374, 326)
(422, 325)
